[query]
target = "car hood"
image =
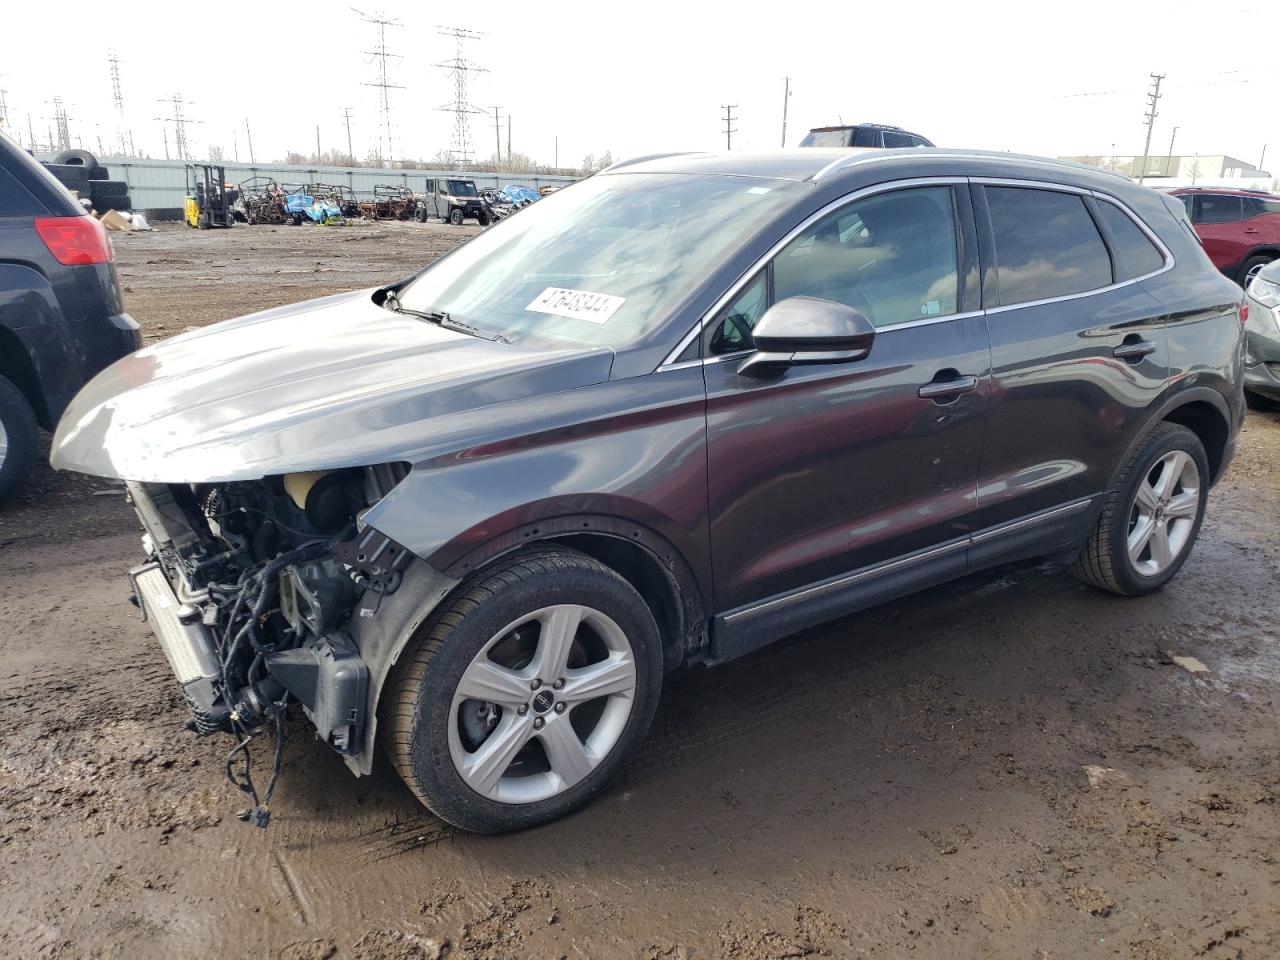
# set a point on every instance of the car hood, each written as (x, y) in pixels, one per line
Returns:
(330, 383)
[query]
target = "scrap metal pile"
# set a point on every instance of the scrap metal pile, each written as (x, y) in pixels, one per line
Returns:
(389, 203)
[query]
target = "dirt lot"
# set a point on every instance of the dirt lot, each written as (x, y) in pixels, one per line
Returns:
(1012, 767)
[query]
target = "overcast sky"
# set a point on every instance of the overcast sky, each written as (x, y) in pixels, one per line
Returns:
(641, 78)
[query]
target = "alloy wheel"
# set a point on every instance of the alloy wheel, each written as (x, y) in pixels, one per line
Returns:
(1164, 513)
(542, 704)
(1253, 272)
(4, 443)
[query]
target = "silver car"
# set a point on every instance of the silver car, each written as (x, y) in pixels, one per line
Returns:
(1262, 342)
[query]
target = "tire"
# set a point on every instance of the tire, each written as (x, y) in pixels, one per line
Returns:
(1252, 265)
(427, 723)
(108, 190)
(1106, 561)
(19, 439)
(456, 217)
(101, 173)
(78, 158)
(485, 219)
(73, 178)
(114, 203)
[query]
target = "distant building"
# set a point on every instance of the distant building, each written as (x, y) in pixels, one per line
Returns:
(1201, 167)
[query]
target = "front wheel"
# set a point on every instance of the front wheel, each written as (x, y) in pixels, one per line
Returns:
(527, 693)
(455, 217)
(1151, 516)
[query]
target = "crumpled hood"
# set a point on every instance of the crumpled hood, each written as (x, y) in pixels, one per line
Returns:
(329, 383)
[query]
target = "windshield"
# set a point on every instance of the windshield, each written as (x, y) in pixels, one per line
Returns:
(601, 262)
(463, 188)
(826, 138)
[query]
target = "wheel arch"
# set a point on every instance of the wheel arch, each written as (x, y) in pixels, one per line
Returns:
(17, 367)
(1202, 410)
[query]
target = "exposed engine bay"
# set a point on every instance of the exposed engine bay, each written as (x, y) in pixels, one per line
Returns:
(250, 587)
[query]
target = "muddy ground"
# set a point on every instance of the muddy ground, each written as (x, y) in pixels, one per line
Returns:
(1013, 766)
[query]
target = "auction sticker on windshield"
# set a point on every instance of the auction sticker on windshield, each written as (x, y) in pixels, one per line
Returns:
(577, 304)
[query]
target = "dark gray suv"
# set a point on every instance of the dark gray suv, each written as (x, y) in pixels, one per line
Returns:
(667, 415)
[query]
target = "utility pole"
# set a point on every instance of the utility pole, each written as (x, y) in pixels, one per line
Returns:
(508, 139)
(248, 134)
(1168, 160)
(31, 131)
(346, 115)
(235, 145)
(786, 102)
(556, 164)
(497, 136)
(461, 69)
(1262, 159)
(1153, 98)
(317, 143)
(729, 129)
(380, 20)
(4, 110)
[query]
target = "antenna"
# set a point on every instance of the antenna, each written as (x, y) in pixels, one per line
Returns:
(179, 120)
(384, 85)
(460, 152)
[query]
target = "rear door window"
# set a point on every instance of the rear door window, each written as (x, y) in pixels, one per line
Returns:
(892, 139)
(1135, 254)
(1217, 208)
(1047, 244)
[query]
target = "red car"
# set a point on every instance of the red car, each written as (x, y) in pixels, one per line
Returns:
(1240, 229)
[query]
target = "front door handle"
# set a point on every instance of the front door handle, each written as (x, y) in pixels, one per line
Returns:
(1134, 351)
(948, 389)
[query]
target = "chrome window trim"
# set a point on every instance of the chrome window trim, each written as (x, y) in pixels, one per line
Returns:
(1097, 195)
(841, 162)
(896, 563)
(669, 361)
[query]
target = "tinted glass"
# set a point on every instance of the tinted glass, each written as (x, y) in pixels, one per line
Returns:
(892, 139)
(1135, 254)
(1215, 208)
(16, 200)
(866, 137)
(1047, 244)
(892, 257)
(1257, 206)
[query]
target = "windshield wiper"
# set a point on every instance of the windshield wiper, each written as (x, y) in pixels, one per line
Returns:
(442, 319)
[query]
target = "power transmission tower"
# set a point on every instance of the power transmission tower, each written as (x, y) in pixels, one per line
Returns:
(460, 68)
(123, 133)
(346, 116)
(179, 119)
(1153, 98)
(383, 83)
(729, 129)
(60, 118)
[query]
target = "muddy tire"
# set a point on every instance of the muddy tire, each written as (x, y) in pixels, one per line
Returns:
(1151, 516)
(456, 217)
(564, 664)
(19, 439)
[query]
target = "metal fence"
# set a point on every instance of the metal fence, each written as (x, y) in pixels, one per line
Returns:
(162, 184)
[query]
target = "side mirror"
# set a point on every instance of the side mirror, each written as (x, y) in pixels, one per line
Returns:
(805, 330)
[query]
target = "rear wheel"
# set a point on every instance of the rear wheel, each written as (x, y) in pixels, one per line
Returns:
(19, 439)
(1151, 517)
(527, 693)
(1252, 267)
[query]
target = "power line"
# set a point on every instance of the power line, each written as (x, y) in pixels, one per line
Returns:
(60, 119)
(383, 83)
(729, 129)
(1153, 98)
(346, 116)
(123, 133)
(497, 135)
(179, 119)
(460, 68)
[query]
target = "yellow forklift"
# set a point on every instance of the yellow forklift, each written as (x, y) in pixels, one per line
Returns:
(208, 199)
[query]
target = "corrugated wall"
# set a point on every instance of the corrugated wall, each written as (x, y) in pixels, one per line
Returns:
(162, 184)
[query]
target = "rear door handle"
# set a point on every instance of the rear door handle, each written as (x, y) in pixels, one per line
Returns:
(1134, 351)
(947, 389)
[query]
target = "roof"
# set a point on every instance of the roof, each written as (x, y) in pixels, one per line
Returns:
(1229, 191)
(817, 163)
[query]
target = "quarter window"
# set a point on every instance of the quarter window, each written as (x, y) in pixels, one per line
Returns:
(1135, 254)
(1047, 244)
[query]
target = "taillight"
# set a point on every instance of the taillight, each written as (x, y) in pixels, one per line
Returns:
(1244, 314)
(75, 240)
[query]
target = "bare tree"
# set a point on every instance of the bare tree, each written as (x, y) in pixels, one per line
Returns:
(1194, 171)
(215, 153)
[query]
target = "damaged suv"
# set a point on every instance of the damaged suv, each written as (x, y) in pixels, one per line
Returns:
(665, 416)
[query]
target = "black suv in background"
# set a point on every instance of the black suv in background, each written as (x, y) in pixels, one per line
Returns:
(664, 416)
(61, 319)
(864, 135)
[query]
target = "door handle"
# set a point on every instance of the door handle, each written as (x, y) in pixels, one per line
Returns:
(1134, 351)
(948, 389)
(1250, 229)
